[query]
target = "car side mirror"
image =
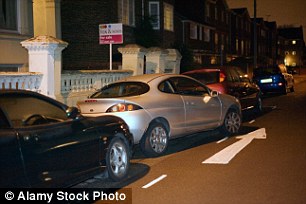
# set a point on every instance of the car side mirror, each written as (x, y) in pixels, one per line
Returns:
(72, 112)
(214, 93)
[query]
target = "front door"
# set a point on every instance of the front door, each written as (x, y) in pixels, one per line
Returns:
(202, 110)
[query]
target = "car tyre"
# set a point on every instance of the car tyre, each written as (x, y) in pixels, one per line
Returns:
(258, 107)
(231, 123)
(118, 158)
(155, 141)
(284, 90)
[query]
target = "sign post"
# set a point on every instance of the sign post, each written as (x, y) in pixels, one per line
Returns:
(110, 34)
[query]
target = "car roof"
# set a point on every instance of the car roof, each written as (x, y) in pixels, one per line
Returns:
(211, 69)
(203, 70)
(146, 78)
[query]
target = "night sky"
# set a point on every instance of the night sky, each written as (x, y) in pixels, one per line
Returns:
(284, 12)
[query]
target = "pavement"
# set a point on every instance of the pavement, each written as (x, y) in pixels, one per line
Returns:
(300, 76)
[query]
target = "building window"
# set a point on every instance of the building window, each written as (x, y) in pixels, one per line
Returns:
(168, 17)
(154, 14)
(216, 13)
(8, 15)
(200, 33)
(193, 31)
(216, 42)
(222, 16)
(206, 34)
(242, 47)
(293, 42)
(197, 58)
(207, 8)
(9, 68)
(126, 12)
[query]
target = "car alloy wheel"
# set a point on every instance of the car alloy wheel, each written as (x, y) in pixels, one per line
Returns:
(158, 139)
(232, 122)
(117, 159)
(155, 141)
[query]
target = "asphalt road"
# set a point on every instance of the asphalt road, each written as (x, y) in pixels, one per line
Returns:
(265, 166)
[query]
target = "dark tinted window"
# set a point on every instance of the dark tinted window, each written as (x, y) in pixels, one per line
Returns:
(165, 87)
(267, 70)
(232, 75)
(187, 86)
(243, 76)
(121, 90)
(19, 108)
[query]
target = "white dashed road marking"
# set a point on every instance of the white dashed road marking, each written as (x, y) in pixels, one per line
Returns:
(155, 181)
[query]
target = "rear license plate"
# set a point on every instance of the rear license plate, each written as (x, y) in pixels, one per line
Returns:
(266, 81)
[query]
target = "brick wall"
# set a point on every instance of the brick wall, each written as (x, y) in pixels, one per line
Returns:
(80, 28)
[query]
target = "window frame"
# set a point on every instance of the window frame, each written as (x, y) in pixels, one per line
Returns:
(16, 17)
(126, 17)
(193, 33)
(206, 34)
(155, 17)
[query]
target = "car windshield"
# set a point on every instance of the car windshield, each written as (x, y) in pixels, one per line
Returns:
(122, 89)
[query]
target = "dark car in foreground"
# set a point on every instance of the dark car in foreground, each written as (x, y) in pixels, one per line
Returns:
(232, 81)
(274, 79)
(45, 143)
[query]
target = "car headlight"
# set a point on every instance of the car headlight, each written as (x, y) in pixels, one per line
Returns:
(122, 107)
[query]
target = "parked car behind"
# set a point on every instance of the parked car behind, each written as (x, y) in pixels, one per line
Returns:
(45, 143)
(274, 79)
(230, 80)
(159, 107)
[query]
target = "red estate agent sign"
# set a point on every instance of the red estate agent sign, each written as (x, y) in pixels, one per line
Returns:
(110, 33)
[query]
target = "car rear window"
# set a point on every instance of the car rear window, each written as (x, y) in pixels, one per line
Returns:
(121, 90)
(267, 70)
(206, 77)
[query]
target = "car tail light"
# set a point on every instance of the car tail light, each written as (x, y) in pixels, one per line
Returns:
(222, 77)
(122, 107)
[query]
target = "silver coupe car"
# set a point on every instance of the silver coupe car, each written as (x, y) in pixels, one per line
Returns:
(159, 107)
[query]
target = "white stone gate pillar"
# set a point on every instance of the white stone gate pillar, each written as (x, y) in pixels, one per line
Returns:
(45, 56)
(133, 58)
(156, 60)
(173, 60)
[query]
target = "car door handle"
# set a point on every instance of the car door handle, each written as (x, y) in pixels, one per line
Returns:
(190, 103)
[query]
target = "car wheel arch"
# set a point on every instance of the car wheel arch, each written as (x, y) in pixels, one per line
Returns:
(150, 149)
(162, 120)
